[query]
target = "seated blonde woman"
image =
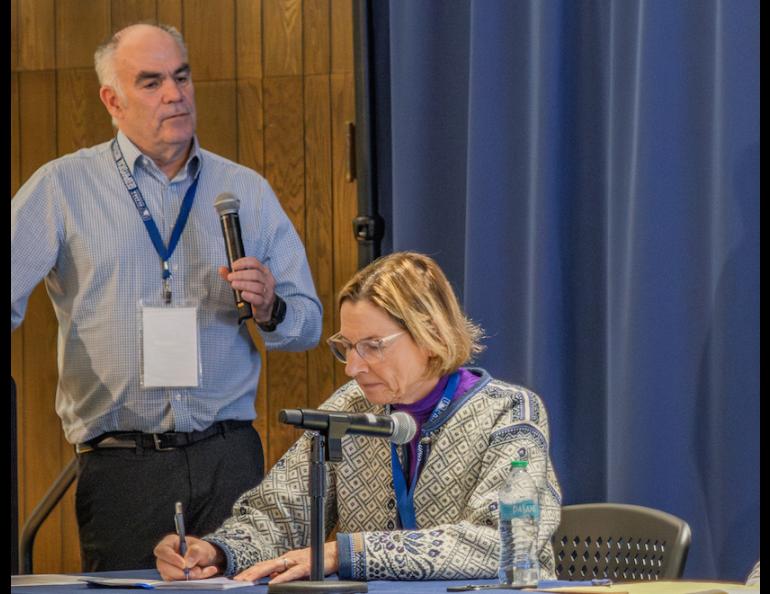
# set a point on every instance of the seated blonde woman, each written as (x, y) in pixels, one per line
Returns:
(423, 511)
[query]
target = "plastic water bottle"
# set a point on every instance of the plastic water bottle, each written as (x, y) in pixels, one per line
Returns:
(519, 509)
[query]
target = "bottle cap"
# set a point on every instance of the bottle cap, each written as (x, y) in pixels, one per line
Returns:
(519, 463)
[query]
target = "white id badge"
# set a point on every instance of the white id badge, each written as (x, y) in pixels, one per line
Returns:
(170, 353)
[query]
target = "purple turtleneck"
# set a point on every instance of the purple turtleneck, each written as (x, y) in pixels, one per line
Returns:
(423, 408)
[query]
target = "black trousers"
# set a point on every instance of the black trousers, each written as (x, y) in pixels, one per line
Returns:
(125, 497)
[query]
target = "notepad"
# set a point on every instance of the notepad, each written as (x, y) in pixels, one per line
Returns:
(44, 579)
(216, 583)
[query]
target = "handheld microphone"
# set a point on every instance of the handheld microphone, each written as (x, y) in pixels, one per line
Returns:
(227, 206)
(398, 427)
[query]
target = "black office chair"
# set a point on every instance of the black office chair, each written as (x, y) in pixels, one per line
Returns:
(620, 542)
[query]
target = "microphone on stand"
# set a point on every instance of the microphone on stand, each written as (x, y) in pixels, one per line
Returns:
(227, 206)
(330, 426)
(398, 427)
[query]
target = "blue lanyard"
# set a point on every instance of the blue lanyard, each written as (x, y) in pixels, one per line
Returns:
(144, 212)
(404, 496)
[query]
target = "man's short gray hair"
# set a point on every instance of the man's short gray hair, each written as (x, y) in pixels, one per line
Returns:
(105, 53)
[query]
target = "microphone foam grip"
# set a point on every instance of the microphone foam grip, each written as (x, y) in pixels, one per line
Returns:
(404, 428)
(226, 203)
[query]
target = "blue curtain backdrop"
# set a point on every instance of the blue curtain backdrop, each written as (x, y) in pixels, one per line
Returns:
(587, 173)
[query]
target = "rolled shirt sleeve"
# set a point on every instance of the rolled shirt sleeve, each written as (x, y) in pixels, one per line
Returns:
(282, 251)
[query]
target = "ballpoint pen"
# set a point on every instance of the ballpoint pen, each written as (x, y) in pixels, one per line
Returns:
(179, 522)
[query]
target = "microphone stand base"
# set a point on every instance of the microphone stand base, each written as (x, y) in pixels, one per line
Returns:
(306, 587)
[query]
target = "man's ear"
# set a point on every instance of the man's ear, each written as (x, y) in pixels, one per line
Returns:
(111, 101)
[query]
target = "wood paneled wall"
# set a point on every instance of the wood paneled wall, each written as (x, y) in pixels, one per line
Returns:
(274, 88)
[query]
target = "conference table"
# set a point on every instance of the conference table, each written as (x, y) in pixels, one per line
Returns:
(428, 587)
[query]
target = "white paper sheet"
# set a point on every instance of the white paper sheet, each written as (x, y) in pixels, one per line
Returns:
(170, 347)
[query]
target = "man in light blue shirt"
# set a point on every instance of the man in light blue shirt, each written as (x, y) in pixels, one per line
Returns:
(156, 377)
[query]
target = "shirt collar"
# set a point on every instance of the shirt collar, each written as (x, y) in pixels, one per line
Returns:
(132, 155)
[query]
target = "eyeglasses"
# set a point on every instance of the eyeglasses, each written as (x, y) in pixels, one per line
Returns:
(370, 350)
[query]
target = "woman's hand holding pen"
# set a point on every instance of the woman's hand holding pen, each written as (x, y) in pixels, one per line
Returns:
(202, 559)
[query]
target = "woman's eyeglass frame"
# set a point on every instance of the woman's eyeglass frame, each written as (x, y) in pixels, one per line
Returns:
(369, 349)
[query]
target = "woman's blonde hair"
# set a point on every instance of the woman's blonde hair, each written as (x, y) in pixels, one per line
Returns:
(414, 291)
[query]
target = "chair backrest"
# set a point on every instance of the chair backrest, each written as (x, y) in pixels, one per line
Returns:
(620, 542)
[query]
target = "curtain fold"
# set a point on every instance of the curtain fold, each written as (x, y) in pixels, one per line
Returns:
(587, 173)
